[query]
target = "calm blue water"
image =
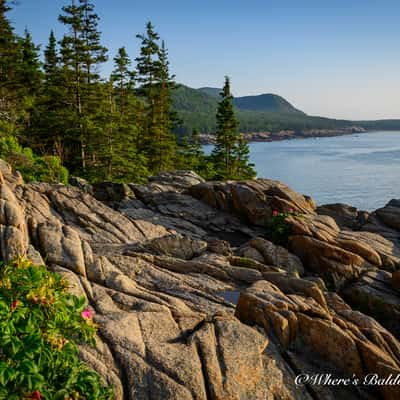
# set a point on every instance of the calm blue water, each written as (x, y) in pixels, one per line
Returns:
(362, 169)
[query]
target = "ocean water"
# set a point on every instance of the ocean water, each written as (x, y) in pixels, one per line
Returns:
(362, 170)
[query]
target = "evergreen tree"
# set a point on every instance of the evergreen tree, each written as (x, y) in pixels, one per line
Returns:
(226, 135)
(94, 52)
(146, 66)
(72, 56)
(123, 79)
(81, 55)
(164, 144)
(159, 143)
(30, 66)
(243, 168)
(55, 114)
(120, 159)
(9, 59)
(51, 64)
(231, 153)
(190, 153)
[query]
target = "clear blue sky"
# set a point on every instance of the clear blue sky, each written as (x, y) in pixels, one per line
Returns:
(336, 58)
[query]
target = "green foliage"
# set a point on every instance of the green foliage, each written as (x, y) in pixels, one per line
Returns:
(278, 229)
(266, 102)
(159, 142)
(190, 156)
(268, 112)
(231, 153)
(63, 113)
(32, 167)
(195, 109)
(40, 325)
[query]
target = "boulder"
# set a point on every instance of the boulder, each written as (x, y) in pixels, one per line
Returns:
(334, 336)
(266, 252)
(252, 200)
(346, 216)
(390, 214)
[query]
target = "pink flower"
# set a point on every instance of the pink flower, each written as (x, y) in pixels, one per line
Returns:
(275, 213)
(87, 314)
(36, 395)
(291, 210)
(14, 304)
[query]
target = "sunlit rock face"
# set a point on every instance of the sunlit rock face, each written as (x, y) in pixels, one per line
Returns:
(156, 267)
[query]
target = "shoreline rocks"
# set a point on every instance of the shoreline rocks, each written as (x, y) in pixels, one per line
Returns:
(156, 261)
(289, 134)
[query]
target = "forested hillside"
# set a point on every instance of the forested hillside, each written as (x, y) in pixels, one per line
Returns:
(261, 113)
(60, 114)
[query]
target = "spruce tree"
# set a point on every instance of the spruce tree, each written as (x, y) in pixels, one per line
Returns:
(82, 53)
(122, 78)
(72, 56)
(231, 152)
(55, 116)
(190, 153)
(51, 64)
(159, 143)
(121, 159)
(9, 60)
(164, 142)
(146, 66)
(226, 135)
(94, 52)
(118, 158)
(30, 66)
(30, 86)
(243, 168)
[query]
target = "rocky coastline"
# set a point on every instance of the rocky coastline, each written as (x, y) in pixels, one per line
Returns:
(194, 302)
(289, 134)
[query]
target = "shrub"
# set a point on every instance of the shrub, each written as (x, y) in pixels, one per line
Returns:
(40, 327)
(279, 229)
(31, 166)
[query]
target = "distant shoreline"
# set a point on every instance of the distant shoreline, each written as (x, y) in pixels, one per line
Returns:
(207, 139)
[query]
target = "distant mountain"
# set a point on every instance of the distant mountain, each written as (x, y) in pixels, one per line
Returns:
(266, 112)
(212, 91)
(266, 102)
(263, 102)
(195, 108)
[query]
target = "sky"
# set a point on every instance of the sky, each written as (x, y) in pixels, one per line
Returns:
(334, 58)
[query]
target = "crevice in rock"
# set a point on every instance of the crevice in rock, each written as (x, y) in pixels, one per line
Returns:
(121, 370)
(207, 383)
(220, 356)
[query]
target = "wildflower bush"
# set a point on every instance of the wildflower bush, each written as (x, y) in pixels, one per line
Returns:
(279, 229)
(32, 167)
(40, 327)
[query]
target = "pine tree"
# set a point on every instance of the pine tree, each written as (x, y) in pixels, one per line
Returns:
(190, 153)
(243, 168)
(30, 86)
(9, 59)
(55, 113)
(30, 66)
(51, 64)
(226, 135)
(120, 159)
(231, 153)
(123, 79)
(164, 142)
(72, 55)
(94, 52)
(146, 66)
(159, 143)
(82, 53)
